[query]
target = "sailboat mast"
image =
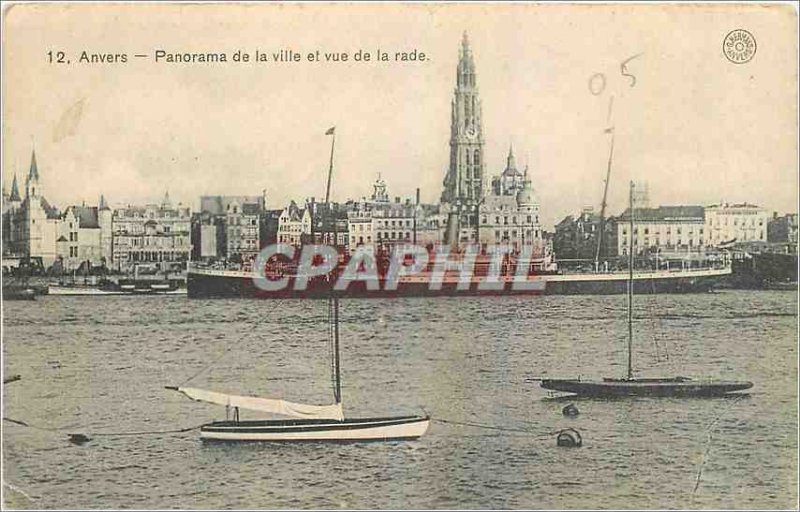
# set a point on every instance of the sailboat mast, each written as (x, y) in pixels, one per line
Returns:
(337, 392)
(603, 206)
(334, 299)
(330, 168)
(630, 288)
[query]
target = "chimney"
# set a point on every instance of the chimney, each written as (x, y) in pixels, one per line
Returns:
(417, 195)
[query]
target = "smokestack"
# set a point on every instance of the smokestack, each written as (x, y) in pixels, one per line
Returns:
(417, 196)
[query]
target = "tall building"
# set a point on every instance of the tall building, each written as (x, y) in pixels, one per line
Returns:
(33, 224)
(509, 212)
(463, 182)
(465, 176)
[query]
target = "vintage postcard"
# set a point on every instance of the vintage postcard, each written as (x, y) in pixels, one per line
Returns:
(400, 256)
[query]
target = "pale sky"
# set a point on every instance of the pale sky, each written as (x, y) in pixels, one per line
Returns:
(696, 127)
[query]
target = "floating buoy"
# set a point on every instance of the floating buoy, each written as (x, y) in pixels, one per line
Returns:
(570, 410)
(78, 439)
(570, 438)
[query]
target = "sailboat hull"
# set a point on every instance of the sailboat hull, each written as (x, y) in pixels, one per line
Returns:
(348, 430)
(673, 387)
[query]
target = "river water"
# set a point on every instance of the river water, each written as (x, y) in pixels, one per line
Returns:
(99, 365)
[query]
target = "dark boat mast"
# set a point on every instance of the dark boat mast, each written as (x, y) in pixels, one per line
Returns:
(630, 287)
(333, 301)
(601, 225)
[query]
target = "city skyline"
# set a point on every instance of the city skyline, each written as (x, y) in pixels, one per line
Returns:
(134, 131)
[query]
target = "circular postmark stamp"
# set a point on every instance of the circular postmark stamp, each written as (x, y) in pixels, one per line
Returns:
(739, 46)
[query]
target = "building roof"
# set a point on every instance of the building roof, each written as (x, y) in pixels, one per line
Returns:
(87, 216)
(250, 209)
(218, 205)
(735, 205)
(665, 213)
(51, 212)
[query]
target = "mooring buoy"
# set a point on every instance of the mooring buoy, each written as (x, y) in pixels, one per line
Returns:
(570, 438)
(78, 439)
(570, 410)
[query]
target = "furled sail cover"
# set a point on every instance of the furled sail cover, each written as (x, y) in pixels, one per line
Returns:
(275, 406)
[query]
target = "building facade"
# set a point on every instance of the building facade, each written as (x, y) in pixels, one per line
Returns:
(510, 213)
(743, 222)
(294, 225)
(229, 227)
(782, 229)
(666, 230)
(576, 238)
(156, 236)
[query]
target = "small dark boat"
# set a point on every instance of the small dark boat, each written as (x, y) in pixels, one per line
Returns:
(666, 387)
(18, 293)
(676, 387)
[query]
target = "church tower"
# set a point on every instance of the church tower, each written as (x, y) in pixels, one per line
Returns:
(32, 183)
(463, 183)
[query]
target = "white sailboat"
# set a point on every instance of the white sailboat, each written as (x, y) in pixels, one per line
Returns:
(310, 422)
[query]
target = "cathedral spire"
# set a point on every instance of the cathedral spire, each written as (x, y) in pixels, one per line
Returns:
(14, 190)
(466, 65)
(33, 174)
(464, 180)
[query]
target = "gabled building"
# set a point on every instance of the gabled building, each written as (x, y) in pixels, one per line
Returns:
(576, 238)
(294, 225)
(85, 236)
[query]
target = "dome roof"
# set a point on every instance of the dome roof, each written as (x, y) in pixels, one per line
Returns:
(526, 196)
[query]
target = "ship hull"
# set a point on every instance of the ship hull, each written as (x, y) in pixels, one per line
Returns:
(204, 284)
(348, 430)
(677, 387)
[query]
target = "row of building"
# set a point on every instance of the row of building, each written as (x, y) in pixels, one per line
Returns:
(82, 237)
(233, 229)
(675, 231)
